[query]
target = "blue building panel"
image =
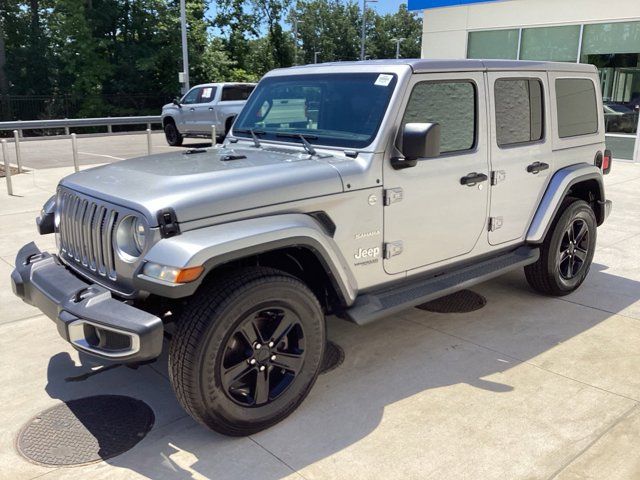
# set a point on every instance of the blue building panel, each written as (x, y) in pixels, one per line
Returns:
(426, 4)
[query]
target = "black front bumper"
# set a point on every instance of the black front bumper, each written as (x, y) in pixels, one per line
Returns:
(86, 315)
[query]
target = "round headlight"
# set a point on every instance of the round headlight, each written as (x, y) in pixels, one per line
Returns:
(139, 234)
(131, 237)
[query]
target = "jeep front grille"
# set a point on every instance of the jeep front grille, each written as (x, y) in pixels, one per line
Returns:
(86, 233)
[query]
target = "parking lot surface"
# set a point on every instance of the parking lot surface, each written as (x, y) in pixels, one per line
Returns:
(527, 387)
(93, 149)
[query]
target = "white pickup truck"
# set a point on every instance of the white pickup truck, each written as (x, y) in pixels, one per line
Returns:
(204, 106)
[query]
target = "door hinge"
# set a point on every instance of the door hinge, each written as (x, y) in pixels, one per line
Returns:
(498, 176)
(393, 195)
(392, 249)
(495, 223)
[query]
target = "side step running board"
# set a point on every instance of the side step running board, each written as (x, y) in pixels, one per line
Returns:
(377, 304)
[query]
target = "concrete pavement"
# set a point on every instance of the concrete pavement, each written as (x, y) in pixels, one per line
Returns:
(528, 387)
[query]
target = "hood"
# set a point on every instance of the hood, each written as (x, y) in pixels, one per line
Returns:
(209, 182)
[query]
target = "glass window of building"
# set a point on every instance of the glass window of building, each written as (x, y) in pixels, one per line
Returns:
(558, 44)
(577, 107)
(519, 108)
(494, 44)
(452, 105)
(615, 49)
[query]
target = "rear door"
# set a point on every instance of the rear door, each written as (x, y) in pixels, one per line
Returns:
(520, 147)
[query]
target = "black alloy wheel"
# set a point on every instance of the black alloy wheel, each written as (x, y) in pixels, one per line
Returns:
(263, 356)
(574, 249)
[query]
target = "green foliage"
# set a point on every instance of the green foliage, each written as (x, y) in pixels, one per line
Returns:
(96, 49)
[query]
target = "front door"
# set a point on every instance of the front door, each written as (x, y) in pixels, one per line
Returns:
(520, 152)
(433, 213)
(204, 112)
(186, 115)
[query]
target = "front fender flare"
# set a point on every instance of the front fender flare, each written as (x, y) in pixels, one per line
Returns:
(218, 244)
(557, 190)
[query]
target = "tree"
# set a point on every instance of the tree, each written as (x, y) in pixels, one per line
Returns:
(329, 27)
(402, 24)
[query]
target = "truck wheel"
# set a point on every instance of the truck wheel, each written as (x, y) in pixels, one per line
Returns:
(247, 350)
(567, 251)
(173, 136)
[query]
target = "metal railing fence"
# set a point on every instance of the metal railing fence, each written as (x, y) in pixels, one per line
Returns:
(68, 123)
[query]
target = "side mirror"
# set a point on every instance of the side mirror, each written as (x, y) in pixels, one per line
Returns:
(421, 140)
(176, 102)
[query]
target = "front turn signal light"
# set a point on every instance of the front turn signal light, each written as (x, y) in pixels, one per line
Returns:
(172, 274)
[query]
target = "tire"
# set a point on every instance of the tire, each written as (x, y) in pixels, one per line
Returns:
(214, 335)
(173, 136)
(563, 266)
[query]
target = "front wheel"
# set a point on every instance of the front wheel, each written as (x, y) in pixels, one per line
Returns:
(247, 350)
(173, 136)
(567, 251)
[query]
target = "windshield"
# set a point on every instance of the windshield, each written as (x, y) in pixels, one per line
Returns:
(338, 109)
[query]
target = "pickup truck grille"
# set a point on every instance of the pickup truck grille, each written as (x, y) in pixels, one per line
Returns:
(86, 233)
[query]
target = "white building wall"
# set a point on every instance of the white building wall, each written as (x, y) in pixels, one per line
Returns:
(445, 29)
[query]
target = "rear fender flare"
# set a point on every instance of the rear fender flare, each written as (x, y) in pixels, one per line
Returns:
(558, 188)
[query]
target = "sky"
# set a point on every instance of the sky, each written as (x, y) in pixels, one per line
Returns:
(385, 6)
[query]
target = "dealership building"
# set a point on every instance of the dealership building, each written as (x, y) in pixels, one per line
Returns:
(603, 33)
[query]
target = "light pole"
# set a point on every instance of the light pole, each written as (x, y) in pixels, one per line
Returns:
(364, 24)
(185, 52)
(295, 40)
(397, 41)
(315, 57)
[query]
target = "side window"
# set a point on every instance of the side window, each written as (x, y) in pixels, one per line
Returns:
(191, 96)
(577, 107)
(236, 92)
(519, 111)
(207, 94)
(452, 105)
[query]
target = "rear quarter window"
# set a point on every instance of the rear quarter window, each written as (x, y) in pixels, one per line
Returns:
(577, 107)
(232, 93)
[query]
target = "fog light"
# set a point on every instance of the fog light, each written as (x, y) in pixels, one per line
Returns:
(171, 274)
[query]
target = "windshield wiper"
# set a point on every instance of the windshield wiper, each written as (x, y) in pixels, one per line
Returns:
(254, 135)
(303, 137)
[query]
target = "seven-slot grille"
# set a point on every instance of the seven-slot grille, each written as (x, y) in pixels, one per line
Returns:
(86, 233)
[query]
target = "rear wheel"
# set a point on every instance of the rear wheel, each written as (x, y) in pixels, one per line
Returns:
(567, 251)
(247, 350)
(171, 133)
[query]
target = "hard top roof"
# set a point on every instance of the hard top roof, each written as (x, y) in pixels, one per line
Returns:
(420, 65)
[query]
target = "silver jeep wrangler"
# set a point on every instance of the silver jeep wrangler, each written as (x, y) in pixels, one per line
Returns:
(351, 189)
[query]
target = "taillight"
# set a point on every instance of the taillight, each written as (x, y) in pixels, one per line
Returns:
(606, 162)
(603, 162)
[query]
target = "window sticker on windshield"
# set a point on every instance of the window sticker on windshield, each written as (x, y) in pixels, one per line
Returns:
(206, 92)
(383, 80)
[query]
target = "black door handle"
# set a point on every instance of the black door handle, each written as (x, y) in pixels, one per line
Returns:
(537, 167)
(473, 178)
